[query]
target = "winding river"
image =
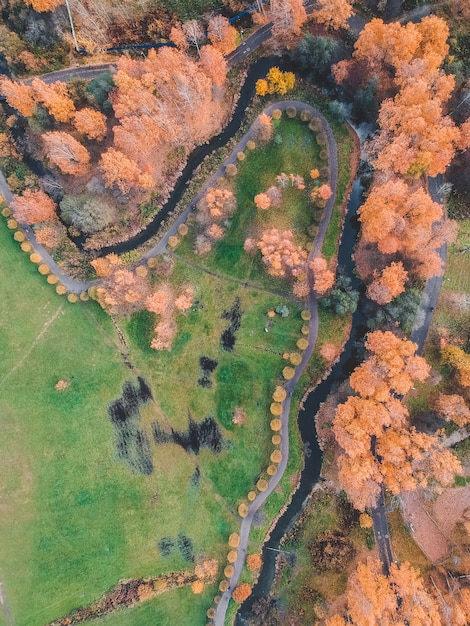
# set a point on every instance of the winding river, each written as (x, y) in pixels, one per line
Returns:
(306, 422)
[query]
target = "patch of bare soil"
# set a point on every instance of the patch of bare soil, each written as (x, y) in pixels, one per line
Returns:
(451, 507)
(423, 527)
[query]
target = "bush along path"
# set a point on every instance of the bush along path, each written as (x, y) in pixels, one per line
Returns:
(248, 511)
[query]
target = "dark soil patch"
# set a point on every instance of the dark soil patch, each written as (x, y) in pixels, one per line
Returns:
(132, 442)
(234, 316)
(205, 434)
(207, 366)
(332, 551)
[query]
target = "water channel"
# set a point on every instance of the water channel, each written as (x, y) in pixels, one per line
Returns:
(310, 475)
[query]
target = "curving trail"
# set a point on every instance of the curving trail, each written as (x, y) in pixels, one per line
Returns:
(299, 370)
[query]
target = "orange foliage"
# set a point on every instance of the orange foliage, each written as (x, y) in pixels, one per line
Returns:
(122, 292)
(44, 5)
(105, 266)
(241, 593)
(400, 220)
(214, 65)
(222, 35)
(90, 123)
(333, 13)
(18, 95)
(265, 128)
(391, 368)
(281, 255)
(288, 17)
(262, 201)
(50, 236)
(373, 598)
(459, 360)
(66, 152)
(254, 561)
(119, 170)
(388, 284)
(55, 98)
(34, 207)
(454, 409)
(185, 300)
(323, 277)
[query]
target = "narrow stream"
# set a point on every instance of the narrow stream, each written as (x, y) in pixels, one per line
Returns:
(310, 475)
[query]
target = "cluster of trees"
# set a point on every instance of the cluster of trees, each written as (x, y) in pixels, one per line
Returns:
(214, 209)
(125, 291)
(275, 82)
(415, 139)
(374, 598)
(379, 446)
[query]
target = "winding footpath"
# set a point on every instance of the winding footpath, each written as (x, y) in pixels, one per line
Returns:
(299, 370)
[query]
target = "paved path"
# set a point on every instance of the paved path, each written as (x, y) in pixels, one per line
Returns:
(291, 384)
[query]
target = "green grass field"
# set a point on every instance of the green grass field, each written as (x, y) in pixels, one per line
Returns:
(75, 519)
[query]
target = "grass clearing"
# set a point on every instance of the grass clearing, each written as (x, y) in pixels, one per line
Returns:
(404, 546)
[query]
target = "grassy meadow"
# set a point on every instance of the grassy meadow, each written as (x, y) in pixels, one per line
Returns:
(75, 519)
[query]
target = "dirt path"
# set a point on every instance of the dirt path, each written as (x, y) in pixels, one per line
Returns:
(50, 321)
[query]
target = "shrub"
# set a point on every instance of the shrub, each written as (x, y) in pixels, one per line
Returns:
(251, 495)
(182, 230)
(323, 156)
(26, 246)
(276, 440)
(241, 156)
(276, 423)
(305, 315)
(241, 593)
(276, 408)
(12, 224)
(6, 212)
(295, 358)
(291, 112)
(302, 344)
(279, 394)
(288, 373)
(222, 587)
(19, 236)
(228, 571)
(242, 510)
(262, 484)
(305, 330)
(251, 145)
(306, 115)
(173, 241)
(234, 540)
(232, 556)
(271, 470)
(72, 297)
(43, 269)
(84, 297)
(35, 258)
(276, 456)
(52, 279)
(254, 561)
(276, 114)
(315, 124)
(231, 169)
(141, 270)
(61, 290)
(197, 586)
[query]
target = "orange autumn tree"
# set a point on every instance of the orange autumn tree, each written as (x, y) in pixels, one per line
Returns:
(453, 408)
(388, 284)
(374, 599)
(281, 255)
(222, 35)
(162, 302)
(90, 123)
(287, 16)
(162, 102)
(119, 170)
(34, 207)
(324, 278)
(333, 13)
(459, 361)
(66, 152)
(375, 425)
(214, 65)
(55, 98)
(122, 292)
(44, 5)
(407, 222)
(241, 593)
(18, 95)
